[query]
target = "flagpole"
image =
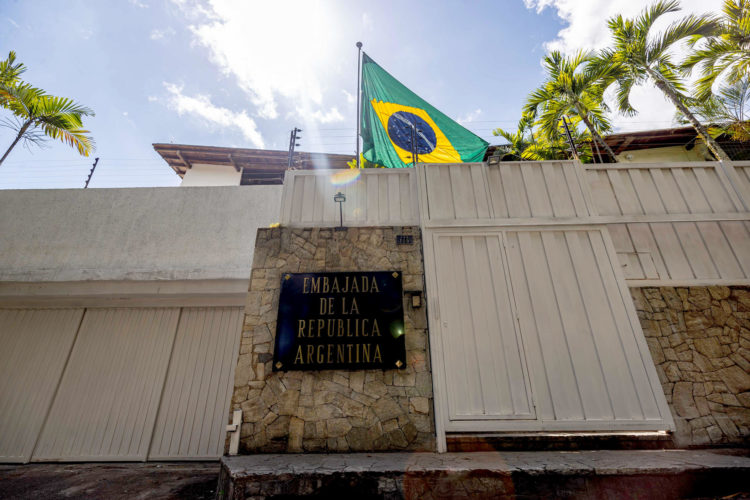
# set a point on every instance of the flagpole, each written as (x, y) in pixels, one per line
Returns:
(359, 108)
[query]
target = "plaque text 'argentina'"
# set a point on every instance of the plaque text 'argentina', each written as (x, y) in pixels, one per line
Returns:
(347, 320)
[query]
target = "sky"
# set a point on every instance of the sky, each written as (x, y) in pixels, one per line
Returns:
(243, 73)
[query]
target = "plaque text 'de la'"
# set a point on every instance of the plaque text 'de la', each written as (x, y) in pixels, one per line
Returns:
(345, 320)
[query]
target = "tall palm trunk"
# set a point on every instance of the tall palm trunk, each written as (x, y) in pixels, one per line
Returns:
(595, 134)
(22, 131)
(698, 126)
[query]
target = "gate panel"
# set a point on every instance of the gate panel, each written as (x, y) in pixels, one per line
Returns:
(525, 272)
(106, 405)
(35, 345)
(569, 299)
(193, 412)
(486, 376)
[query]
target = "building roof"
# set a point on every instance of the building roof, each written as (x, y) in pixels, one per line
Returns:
(647, 139)
(258, 166)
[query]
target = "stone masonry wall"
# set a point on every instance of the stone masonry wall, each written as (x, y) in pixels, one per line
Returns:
(332, 410)
(699, 338)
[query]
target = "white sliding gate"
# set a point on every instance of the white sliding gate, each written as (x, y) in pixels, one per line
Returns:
(116, 384)
(532, 327)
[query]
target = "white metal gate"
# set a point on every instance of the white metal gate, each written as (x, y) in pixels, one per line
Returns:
(35, 346)
(115, 384)
(486, 375)
(531, 323)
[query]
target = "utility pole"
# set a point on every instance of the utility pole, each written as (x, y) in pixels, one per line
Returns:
(570, 139)
(293, 138)
(96, 160)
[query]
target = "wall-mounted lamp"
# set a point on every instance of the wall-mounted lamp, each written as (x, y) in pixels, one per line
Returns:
(340, 198)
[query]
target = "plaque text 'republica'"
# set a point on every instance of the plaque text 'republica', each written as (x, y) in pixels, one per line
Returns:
(340, 320)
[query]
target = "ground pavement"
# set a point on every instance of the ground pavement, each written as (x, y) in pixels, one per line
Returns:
(659, 474)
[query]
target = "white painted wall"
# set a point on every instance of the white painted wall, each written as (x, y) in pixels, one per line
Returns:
(211, 175)
(181, 233)
(664, 155)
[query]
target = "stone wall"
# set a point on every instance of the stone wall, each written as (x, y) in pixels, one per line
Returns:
(699, 338)
(332, 410)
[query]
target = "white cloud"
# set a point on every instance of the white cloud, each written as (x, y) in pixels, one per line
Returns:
(469, 117)
(215, 116)
(158, 34)
(152, 98)
(194, 10)
(278, 52)
(139, 3)
(331, 116)
(11, 21)
(586, 29)
(586, 26)
(350, 98)
(367, 21)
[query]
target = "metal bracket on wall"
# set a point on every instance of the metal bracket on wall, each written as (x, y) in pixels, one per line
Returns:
(234, 428)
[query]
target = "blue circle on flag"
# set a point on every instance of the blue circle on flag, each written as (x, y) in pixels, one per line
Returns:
(401, 126)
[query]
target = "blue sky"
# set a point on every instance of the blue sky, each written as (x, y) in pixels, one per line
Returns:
(243, 73)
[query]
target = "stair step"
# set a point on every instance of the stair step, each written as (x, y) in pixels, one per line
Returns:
(662, 474)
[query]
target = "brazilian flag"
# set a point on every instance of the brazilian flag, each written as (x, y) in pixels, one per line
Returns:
(394, 117)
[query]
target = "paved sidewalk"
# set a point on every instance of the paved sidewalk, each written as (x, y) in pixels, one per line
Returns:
(584, 474)
(174, 480)
(580, 474)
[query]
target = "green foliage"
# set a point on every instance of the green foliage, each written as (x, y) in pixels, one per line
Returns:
(10, 71)
(572, 88)
(725, 52)
(567, 91)
(534, 145)
(36, 114)
(575, 85)
(637, 55)
(518, 141)
(727, 111)
(364, 163)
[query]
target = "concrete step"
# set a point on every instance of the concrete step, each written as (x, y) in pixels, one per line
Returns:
(662, 474)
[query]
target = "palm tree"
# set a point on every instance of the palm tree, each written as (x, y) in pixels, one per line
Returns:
(571, 89)
(725, 52)
(727, 111)
(525, 144)
(637, 57)
(518, 141)
(37, 114)
(57, 117)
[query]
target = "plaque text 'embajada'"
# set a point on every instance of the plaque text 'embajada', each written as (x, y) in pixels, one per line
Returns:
(342, 320)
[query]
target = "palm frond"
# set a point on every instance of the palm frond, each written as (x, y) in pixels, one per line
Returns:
(725, 55)
(37, 114)
(73, 137)
(648, 16)
(687, 27)
(10, 71)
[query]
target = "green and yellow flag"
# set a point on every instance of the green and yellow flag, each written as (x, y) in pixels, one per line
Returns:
(395, 121)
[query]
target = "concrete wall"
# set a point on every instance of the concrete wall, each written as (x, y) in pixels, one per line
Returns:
(332, 410)
(211, 175)
(132, 234)
(699, 338)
